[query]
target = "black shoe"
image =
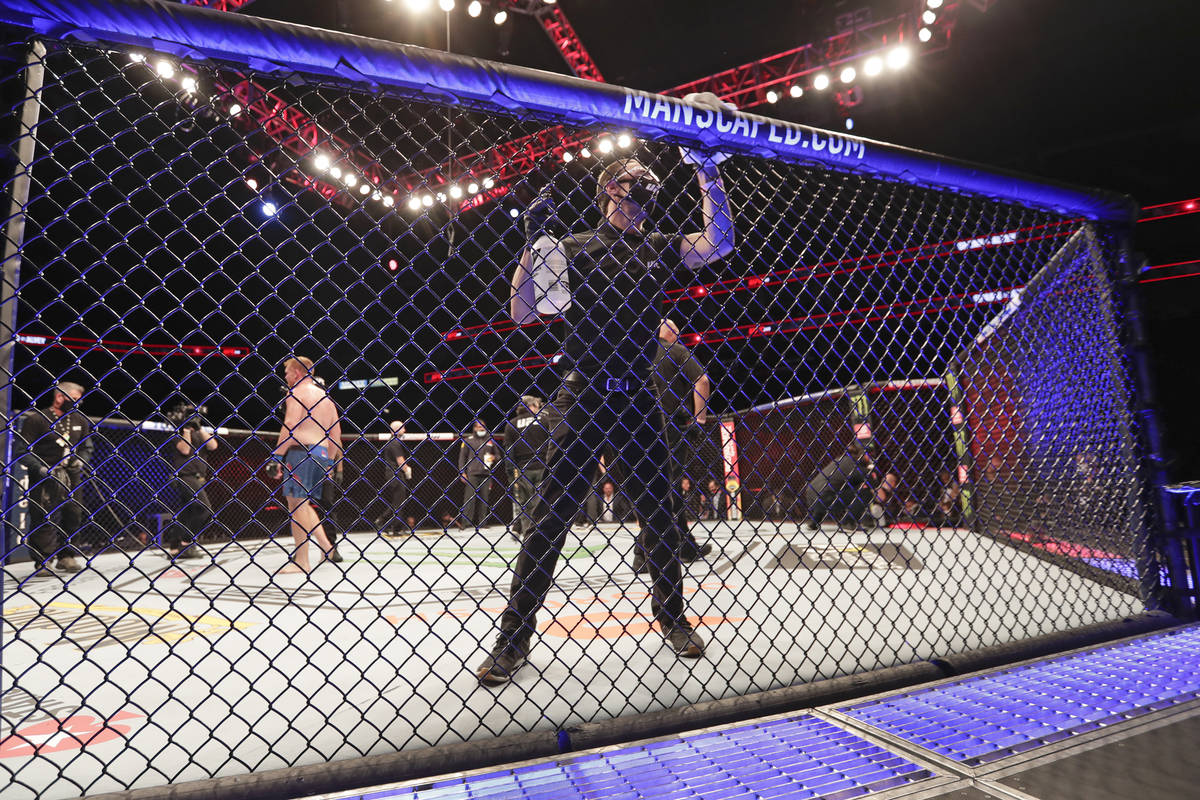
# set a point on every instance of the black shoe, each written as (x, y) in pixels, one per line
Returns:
(192, 551)
(335, 556)
(690, 552)
(506, 658)
(640, 565)
(68, 564)
(684, 639)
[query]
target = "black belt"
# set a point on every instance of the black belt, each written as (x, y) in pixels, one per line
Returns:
(609, 383)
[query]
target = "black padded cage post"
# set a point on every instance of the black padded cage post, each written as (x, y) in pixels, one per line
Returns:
(914, 437)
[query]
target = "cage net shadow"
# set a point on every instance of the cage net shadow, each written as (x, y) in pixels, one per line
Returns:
(916, 437)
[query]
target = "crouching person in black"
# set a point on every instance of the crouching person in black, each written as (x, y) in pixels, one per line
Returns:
(190, 471)
(616, 277)
(842, 490)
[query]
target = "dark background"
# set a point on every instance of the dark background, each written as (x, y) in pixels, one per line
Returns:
(1098, 92)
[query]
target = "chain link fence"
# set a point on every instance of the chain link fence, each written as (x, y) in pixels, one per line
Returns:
(912, 438)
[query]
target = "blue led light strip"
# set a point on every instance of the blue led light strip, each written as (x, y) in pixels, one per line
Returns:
(992, 716)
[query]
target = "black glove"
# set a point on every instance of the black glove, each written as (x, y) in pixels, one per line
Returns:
(541, 217)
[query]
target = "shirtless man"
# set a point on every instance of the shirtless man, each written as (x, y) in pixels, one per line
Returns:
(310, 444)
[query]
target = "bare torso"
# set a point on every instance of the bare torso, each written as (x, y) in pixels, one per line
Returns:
(311, 419)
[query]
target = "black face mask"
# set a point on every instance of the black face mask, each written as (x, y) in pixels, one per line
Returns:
(68, 404)
(644, 193)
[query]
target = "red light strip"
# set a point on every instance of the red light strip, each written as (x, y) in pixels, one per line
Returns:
(116, 347)
(1178, 208)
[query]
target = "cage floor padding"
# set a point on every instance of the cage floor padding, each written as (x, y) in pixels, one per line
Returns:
(138, 674)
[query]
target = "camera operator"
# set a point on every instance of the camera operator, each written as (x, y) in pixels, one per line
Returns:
(55, 447)
(190, 472)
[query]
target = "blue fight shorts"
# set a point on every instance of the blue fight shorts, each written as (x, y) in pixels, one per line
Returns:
(305, 469)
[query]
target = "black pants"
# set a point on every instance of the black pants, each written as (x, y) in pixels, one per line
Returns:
(194, 514)
(631, 423)
(526, 484)
(54, 514)
(331, 495)
(396, 493)
(477, 498)
(681, 440)
(847, 507)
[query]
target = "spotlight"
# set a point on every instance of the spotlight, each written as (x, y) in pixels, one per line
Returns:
(772, 96)
(376, 195)
(501, 17)
(165, 69)
(848, 75)
(441, 196)
(624, 141)
(253, 184)
(899, 57)
(388, 201)
(488, 182)
(549, 2)
(351, 179)
(929, 17)
(456, 191)
(585, 153)
(934, 3)
(427, 200)
(414, 203)
(924, 34)
(188, 83)
(849, 123)
(475, 8)
(514, 213)
(796, 90)
(821, 82)
(321, 162)
(417, 6)
(234, 110)
(137, 58)
(605, 145)
(269, 209)
(473, 188)
(364, 189)
(567, 157)
(336, 172)
(874, 65)
(446, 5)
(393, 264)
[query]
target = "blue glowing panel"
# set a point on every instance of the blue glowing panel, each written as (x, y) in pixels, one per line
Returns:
(799, 757)
(989, 717)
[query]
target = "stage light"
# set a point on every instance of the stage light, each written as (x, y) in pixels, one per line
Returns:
(924, 34)
(899, 57)
(351, 179)
(336, 172)
(549, 2)
(605, 146)
(364, 189)
(234, 110)
(376, 195)
(874, 65)
(796, 91)
(165, 69)
(488, 182)
(137, 58)
(821, 82)
(414, 203)
(253, 184)
(441, 196)
(475, 8)
(393, 264)
(473, 188)
(388, 201)
(321, 161)
(501, 17)
(188, 84)
(567, 157)
(514, 213)
(456, 191)
(623, 140)
(934, 3)
(417, 6)
(929, 17)
(849, 123)
(585, 153)
(848, 75)
(269, 209)
(446, 5)
(772, 96)
(427, 200)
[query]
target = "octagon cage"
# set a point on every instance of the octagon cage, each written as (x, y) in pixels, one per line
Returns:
(276, 306)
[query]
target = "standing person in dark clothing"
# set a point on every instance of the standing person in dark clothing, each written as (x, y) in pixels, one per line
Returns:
(683, 390)
(616, 276)
(842, 489)
(398, 488)
(54, 445)
(191, 472)
(477, 457)
(716, 501)
(525, 441)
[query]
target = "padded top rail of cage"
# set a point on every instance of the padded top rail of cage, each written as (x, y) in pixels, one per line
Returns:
(269, 46)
